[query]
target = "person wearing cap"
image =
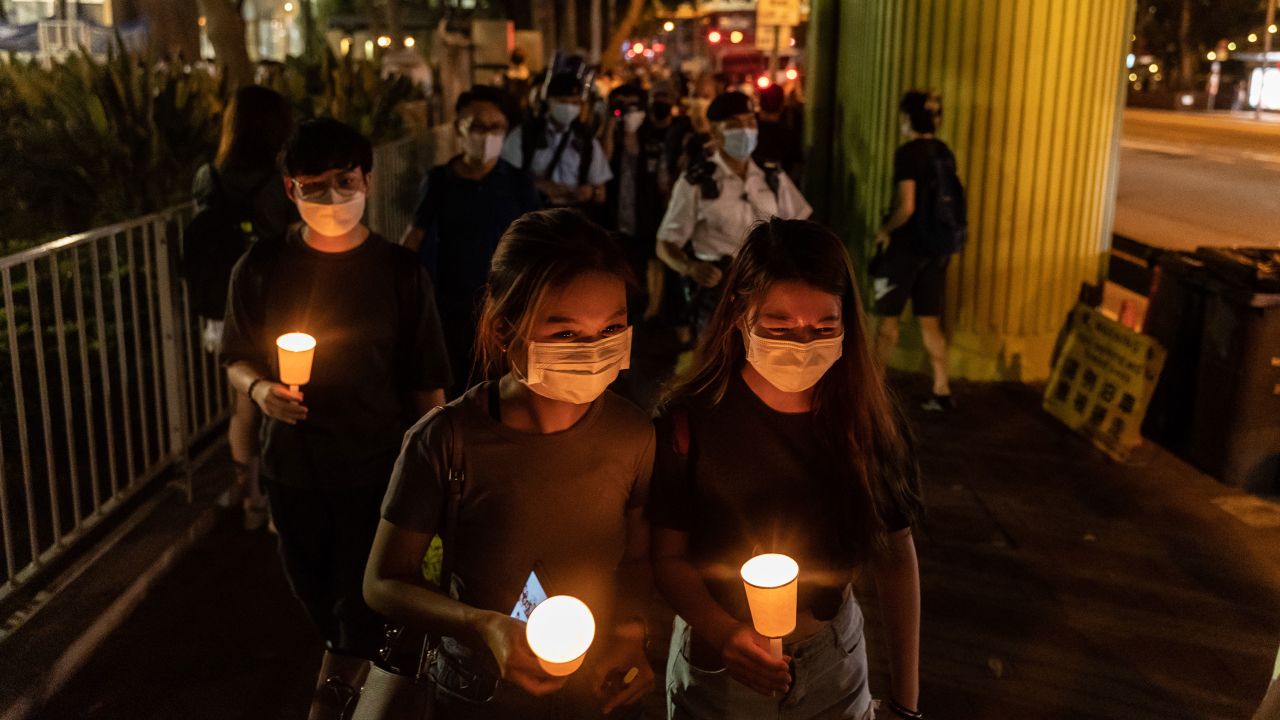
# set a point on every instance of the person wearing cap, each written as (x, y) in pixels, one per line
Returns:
(717, 200)
(568, 164)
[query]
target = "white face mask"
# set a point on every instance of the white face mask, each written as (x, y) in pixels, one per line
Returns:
(739, 143)
(576, 373)
(334, 217)
(483, 148)
(792, 366)
(562, 113)
(632, 120)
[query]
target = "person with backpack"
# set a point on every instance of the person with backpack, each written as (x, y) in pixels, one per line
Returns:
(541, 471)
(717, 200)
(379, 364)
(465, 206)
(914, 247)
(240, 200)
(781, 438)
(560, 150)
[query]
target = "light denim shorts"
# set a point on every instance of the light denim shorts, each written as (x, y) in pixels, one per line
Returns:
(829, 681)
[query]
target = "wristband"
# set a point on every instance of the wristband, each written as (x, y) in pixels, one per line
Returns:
(900, 711)
(252, 385)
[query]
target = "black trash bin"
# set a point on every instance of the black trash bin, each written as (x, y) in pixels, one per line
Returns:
(1175, 318)
(1235, 429)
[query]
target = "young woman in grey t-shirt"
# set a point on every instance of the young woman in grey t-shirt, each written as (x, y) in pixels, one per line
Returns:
(556, 476)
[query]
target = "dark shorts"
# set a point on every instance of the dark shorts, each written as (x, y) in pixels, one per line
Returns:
(899, 276)
(325, 538)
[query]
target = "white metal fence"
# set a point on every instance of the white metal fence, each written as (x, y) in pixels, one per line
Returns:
(110, 386)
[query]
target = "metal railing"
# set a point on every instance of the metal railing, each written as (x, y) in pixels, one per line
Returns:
(110, 386)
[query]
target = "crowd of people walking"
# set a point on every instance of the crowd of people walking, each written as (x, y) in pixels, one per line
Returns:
(464, 421)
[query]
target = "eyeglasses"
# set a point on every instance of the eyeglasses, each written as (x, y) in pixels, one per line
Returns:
(471, 126)
(345, 184)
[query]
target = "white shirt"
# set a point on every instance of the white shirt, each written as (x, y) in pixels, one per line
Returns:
(566, 172)
(719, 226)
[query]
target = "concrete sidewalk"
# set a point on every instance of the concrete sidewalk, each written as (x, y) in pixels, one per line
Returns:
(1057, 584)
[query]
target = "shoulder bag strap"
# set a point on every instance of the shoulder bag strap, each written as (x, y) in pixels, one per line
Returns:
(455, 478)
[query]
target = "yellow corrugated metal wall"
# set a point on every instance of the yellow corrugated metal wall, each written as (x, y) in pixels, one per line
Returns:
(1031, 92)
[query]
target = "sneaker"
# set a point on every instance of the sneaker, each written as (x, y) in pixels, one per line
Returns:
(939, 403)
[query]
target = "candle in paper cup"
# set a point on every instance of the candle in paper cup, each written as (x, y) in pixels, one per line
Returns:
(560, 631)
(295, 351)
(771, 584)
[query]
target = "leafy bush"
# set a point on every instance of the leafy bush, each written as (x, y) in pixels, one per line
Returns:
(86, 143)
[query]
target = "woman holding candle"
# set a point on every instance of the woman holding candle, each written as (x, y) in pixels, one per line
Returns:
(782, 439)
(556, 475)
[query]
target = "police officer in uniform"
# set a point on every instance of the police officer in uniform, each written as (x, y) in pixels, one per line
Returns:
(568, 164)
(717, 200)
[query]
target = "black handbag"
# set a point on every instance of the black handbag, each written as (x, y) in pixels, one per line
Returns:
(400, 685)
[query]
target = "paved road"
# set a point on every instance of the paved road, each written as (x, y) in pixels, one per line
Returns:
(1189, 179)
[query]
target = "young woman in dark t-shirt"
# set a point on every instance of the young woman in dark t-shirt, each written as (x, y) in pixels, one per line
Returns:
(556, 475)
(781, 438)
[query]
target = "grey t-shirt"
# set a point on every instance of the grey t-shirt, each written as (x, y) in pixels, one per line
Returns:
(560, 499)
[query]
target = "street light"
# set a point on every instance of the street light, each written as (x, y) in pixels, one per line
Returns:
(735, 37)
(1253, 37)
(1232, 46)
(1153, 68)
(410, 42)
(288, 7)
(1212, 55)
(384, 41)
(668, 26)
(714, 37)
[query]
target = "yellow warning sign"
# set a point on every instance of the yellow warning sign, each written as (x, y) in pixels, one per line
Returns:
(1103, 380)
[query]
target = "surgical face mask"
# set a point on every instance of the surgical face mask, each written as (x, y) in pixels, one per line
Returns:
(632, 120)
(483, 148)
(739, 143)
(906, 128)
(562, 113)
(334, 217)
(792, 366)
(576, 373)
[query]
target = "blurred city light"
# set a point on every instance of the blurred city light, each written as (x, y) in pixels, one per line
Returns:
(668, 26)
(735, 37)
(713, 36)
(410, 42)
(792, 73)
(384, 41)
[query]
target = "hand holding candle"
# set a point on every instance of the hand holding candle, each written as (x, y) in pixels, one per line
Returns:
(771, 582)
(560, 631)
(295, 352)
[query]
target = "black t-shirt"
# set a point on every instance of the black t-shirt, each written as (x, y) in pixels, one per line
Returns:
(915, 160)
(755, 480)
(463, 220)
(378, 339)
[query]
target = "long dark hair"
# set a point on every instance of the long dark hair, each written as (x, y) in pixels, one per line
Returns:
(540, 251)
(255, 125)
(856, 417)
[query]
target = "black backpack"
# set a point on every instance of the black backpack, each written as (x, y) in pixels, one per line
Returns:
(941, 222)
(213, 241)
